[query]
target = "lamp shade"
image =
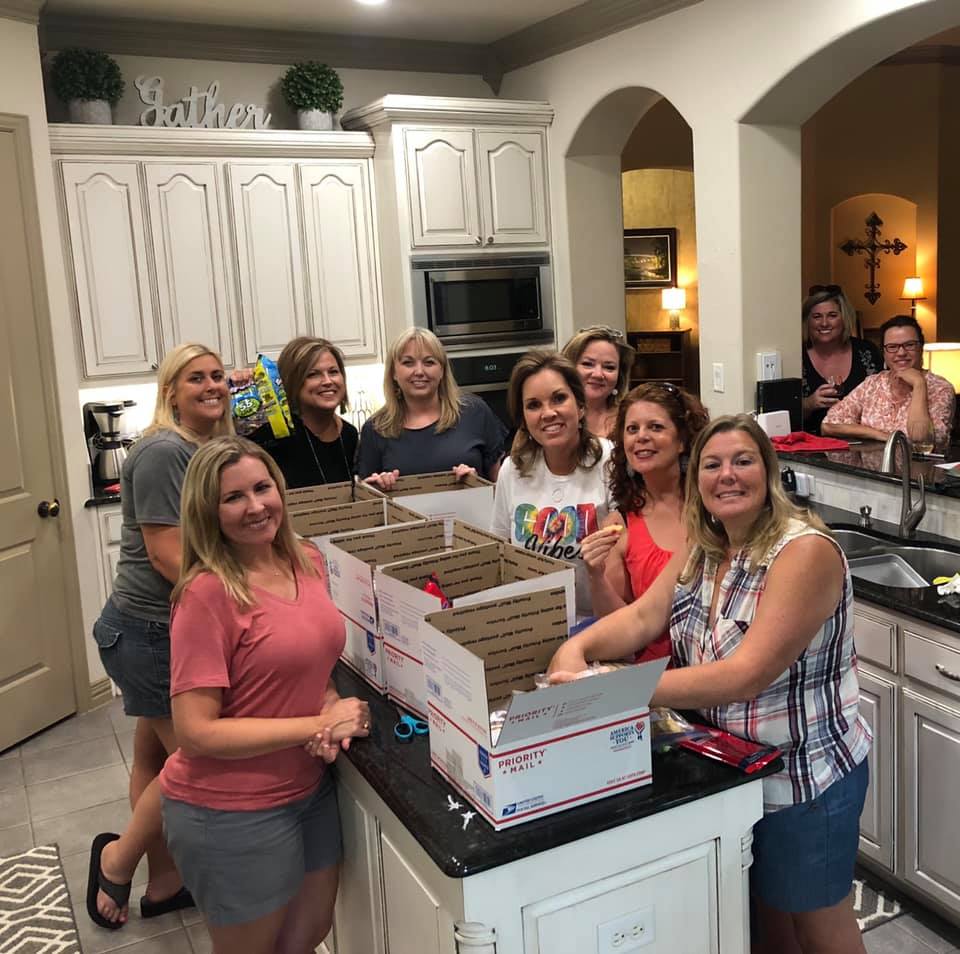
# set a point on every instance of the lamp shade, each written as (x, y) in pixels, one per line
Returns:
(943, 358)
(912, 289)
(673, 299)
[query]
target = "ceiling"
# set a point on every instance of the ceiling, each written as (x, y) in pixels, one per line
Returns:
(459, 21)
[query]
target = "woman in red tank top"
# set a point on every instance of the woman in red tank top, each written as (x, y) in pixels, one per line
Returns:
(656, 424)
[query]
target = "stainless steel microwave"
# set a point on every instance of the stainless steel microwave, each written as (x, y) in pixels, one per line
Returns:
(484, 301)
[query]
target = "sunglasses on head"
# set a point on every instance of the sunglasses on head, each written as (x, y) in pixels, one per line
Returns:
(665, 386)
(829, 289)
(602, 330)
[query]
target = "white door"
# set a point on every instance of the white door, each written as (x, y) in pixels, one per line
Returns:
(442, 187)
(341, 256)
(512, 187)
(105, 225)
(267, 235)
(186, 227)
(877, 828)
(36, 672)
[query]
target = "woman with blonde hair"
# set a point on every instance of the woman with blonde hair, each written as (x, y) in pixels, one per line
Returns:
(770, 661)
(427, 423)
(552, 491)
(249, 811)
(603, 360)
(322, 447)
(132, 632)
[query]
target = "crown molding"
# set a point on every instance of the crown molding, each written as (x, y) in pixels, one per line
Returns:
(71, 139)
(431, 109)
(924, 54)
(575, 27)
(202, 41)
(26, 10)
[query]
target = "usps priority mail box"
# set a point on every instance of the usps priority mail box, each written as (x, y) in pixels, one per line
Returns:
(442, 495)
(559, 747)
(492, 571)
(352, 559)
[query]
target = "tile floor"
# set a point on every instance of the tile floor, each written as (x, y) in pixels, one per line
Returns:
(70, 782)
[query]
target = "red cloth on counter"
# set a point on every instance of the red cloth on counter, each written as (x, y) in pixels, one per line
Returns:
(797, 441)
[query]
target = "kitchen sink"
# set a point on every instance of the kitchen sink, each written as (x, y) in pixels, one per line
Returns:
(887, 569)
(892, 563)
(853, 541)
(929, 563)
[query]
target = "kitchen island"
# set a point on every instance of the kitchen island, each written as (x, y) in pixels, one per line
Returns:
(669, 861)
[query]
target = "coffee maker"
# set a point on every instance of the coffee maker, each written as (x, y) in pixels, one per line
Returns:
(107, 439)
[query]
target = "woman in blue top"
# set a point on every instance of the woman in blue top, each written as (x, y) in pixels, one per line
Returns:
(427, 424)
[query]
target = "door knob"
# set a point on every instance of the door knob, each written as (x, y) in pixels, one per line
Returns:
(49, 508)
(489, 240)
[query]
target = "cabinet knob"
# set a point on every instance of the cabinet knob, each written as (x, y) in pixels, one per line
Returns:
(154, 367)
(489, 240)
(479, 240)
(49, 508)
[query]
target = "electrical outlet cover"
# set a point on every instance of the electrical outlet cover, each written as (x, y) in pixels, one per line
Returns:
(627, 933)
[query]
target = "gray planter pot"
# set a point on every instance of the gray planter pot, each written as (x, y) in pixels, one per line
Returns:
(314, 119)
(90, 111)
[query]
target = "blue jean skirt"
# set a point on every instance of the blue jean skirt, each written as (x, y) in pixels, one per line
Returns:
(803, 856)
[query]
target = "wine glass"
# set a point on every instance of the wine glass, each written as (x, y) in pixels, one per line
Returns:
(922, 437)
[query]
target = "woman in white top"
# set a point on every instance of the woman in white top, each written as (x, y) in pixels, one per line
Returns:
(552, 489)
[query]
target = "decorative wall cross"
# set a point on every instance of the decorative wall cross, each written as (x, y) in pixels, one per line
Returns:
(871, 249)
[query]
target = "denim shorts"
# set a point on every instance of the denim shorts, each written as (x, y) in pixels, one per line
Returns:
(241, 866)
(803, 856)
(136, 655)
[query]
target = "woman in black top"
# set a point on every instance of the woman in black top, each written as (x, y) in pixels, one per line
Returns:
(834, 362)
(322, 447)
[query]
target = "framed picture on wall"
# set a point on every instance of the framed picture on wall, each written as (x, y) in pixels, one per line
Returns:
(649, 258)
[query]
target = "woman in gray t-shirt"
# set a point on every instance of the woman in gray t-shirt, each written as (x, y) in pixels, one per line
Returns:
(133, 630)
(427, 424)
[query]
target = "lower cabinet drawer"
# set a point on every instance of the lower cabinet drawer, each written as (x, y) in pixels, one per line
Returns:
(875, 640)
(932, 663)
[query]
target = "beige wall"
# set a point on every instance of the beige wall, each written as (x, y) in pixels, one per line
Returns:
(21, 93)
(723, 64)
(259, 84)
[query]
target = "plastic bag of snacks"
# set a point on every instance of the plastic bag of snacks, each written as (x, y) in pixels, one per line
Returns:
(721, 746)
(670, 728)
(247, 408)
(272, 395)
(433, 587)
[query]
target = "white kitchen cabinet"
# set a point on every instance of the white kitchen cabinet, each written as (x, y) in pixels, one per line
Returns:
(186, 226)
(931, 752)
(269, 263)
(108, 250)
(513, 190)
(413, 913)
(442, 185)
(109, 522)
(341, 254)
(878, 699)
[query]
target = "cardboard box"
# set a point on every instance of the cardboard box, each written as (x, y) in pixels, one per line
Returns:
(492, 571)
(559, 747)
(352, 559)
(327, 495)
(442, 495)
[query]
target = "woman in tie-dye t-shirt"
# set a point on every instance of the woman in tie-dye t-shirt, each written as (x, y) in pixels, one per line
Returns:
(552, 489)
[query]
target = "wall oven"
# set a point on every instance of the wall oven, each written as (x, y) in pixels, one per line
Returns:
(476, 302)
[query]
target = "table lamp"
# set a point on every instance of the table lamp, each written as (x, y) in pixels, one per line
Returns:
(673, 300)
(943, 358)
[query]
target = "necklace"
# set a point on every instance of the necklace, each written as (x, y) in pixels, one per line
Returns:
(316, 459)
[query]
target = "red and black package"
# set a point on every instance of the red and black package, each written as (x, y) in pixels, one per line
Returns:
(433, 587)
(721, 746)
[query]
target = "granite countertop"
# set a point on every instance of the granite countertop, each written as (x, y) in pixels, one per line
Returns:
(864, 460)
(923, 603)
(401, 775)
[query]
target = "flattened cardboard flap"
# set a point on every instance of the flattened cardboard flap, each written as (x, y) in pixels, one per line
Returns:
(586, 700)
(434, 483)
(515, 637)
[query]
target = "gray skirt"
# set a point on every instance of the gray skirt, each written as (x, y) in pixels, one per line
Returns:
(242, 866)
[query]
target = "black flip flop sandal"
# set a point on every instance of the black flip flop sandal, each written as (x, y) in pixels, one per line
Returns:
(176, 902)
(97, 881)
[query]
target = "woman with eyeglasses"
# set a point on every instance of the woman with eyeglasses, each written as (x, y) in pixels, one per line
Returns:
(603, 360)
(834, 361)
(656, 426)
(905, 397)
(552, 490)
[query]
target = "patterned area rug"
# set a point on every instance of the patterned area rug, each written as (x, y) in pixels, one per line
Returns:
(35, 912)
(873, 903)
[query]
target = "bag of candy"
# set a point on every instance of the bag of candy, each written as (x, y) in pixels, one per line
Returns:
(247, 408)
(721, 746)
(273, 397)
(669, 728)
(433, 587)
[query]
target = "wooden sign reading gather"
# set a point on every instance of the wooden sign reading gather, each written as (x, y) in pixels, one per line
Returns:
(198, 108)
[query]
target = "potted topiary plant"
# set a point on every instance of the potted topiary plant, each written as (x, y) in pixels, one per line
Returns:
(315, 92)
(89, 82)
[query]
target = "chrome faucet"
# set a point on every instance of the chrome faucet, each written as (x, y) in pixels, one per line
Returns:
(910, 515)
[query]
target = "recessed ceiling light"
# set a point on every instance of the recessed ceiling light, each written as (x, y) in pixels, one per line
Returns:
(372, 3)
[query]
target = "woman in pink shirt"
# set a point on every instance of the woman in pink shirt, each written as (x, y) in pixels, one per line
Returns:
(249, 812)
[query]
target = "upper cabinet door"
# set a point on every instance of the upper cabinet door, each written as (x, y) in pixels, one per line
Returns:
(341, 254)
(269, 262)
(105, 224)
(513, 187)
(442, 185)
(186, 226)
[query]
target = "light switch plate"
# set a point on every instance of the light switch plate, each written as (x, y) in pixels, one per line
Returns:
(718, 376)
